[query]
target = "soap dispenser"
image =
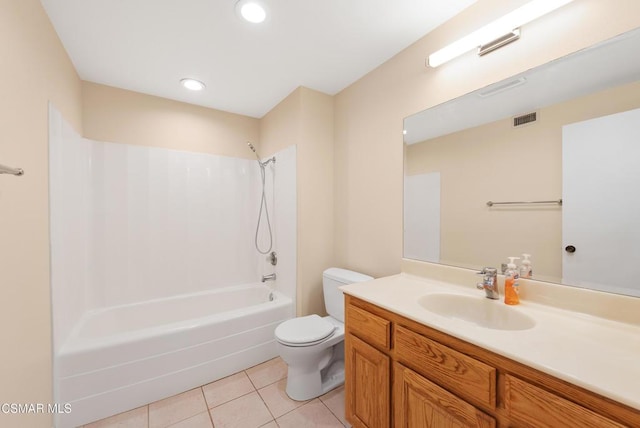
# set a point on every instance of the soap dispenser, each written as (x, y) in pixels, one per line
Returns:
(526, 271)
(511, 277)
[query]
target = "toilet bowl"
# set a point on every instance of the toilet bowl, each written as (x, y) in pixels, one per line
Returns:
(313, 346)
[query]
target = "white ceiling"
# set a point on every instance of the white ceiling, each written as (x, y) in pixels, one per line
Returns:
(149, 45)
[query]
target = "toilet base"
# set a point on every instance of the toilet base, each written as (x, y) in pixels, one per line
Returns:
(317, 369)
(305, 386)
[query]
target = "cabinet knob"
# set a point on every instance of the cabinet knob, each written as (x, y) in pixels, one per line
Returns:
(570, 249)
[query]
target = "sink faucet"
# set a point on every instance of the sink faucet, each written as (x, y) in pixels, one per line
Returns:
(270, 277)
(489, 283)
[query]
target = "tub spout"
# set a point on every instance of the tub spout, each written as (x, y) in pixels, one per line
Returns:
(270, 277)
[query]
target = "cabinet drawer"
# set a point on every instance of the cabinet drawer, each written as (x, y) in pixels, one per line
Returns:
(368, 327)
(467, 377)
(531, 406)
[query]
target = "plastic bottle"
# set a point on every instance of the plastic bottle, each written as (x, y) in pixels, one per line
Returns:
(511, 277)
(526, 271)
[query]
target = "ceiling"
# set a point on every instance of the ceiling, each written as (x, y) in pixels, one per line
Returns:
(149, 45)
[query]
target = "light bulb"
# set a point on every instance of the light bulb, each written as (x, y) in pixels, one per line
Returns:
(252, 12)
(192, 84)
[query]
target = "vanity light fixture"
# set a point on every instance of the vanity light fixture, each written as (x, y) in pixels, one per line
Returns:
(251, 10)
(192, 84)
(498, 33)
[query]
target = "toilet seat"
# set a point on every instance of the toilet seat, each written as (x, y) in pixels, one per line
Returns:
(304, 331)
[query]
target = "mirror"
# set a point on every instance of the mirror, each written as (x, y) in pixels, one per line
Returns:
(541, 163)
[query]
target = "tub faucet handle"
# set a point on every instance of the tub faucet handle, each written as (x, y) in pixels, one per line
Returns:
(273, 258)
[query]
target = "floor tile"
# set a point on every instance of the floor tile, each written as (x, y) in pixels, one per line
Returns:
(312, 414)
(271, 424)
(136, 418)
(267, 373)
(227, 389)
(177, 408)
(334, 400)
(247, 411)
(201, 420)
(277, 400)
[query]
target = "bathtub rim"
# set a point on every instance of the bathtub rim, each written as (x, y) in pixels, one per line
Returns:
(75, 344)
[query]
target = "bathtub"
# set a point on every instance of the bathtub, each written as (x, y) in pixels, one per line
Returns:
(120, 358)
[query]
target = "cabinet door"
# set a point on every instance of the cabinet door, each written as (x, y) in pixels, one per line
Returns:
(419, 403)
(367, 385)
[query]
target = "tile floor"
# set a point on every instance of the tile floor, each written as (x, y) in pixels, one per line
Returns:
(252, 398)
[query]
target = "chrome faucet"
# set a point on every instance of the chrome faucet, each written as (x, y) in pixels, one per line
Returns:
(270, 277)
(489, 283)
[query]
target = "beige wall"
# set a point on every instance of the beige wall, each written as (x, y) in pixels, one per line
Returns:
(501, 163)
(305, 118)
(369, 113)
(121, 116)
(35, 69)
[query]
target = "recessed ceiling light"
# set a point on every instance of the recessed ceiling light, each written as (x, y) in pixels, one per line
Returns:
(251, 11)
(192, 84)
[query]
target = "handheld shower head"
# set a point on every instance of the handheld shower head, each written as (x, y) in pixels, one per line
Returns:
(253, 149)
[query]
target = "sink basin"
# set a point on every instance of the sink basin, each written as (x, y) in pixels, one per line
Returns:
(479, 310)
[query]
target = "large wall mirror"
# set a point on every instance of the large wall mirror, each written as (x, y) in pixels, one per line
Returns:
(546, 162)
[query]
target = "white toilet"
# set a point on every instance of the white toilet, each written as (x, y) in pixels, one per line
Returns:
(312, 346)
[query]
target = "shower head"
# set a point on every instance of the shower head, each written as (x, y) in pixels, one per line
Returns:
(253, 149)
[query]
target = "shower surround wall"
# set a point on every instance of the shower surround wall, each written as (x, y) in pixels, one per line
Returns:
(132, 224)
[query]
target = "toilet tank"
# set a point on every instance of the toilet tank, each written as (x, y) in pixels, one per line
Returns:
(333, 278)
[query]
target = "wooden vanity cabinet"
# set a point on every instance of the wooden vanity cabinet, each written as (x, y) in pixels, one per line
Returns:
(403, 374)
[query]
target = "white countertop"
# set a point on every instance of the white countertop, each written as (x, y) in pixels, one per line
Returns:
(597, 354)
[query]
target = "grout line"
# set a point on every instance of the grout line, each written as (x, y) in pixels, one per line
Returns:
(297, 408)
(211, 417)
(332, 412)
(206, 405)
(251, 380)
(229, 401)
(263, 386)
(188, 417)
(148, 415)
(273, 418)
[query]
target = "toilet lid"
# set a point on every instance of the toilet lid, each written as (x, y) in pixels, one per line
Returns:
(304, 330)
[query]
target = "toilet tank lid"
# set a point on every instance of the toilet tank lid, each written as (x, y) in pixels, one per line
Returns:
(345, 276)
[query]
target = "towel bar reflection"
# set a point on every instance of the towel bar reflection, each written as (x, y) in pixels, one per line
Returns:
(12, 171)
(556, 201)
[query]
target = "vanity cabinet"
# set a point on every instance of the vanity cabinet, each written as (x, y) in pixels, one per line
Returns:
(400, 373)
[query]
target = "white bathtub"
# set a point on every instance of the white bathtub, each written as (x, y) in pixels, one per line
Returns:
(123, 357)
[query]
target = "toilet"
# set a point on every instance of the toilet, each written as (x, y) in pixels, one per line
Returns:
(313, 346)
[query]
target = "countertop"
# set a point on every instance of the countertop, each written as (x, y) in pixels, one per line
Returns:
(595, 353)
